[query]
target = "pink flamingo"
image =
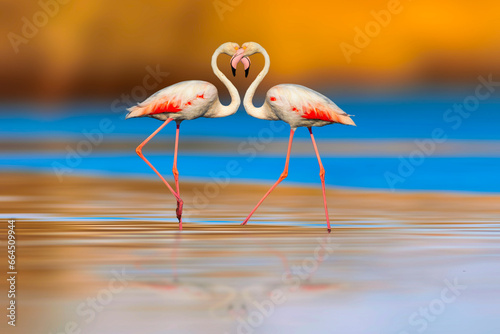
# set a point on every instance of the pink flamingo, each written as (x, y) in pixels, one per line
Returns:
(294, 104)
(188, 100)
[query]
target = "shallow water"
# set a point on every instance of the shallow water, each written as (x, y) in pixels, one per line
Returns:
(387, 266)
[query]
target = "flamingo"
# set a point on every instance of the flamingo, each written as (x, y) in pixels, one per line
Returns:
(188, 100)
(296, 105)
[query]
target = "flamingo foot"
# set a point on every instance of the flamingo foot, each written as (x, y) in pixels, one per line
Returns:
(329, 230)
(178, 211)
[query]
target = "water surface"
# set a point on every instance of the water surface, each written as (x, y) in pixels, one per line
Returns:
(389, 255)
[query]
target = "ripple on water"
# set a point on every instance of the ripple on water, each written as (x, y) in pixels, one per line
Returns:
(388, 255)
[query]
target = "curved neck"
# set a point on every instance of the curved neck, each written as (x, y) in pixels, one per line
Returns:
(222, 110)
(248, 99)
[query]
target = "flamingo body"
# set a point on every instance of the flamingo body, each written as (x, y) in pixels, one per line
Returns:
(296, 105)
(301, 106)
(185, 100)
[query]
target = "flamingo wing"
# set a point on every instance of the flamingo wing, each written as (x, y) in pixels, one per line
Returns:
(307, 104)
(177, 98)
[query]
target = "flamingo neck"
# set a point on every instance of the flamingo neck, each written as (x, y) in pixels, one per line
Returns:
(257, 112)
(222, 110)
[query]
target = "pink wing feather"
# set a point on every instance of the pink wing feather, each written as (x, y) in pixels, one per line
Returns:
(174, 99)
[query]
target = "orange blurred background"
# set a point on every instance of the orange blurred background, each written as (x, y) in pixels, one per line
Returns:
(99, 49)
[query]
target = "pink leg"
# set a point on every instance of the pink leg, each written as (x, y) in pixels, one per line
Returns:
(175, 171)
(282, 177)
(322, 176)
(138, 150)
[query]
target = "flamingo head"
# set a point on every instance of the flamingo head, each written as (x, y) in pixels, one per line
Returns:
(250, 48)
(242, 54)
(229, 48)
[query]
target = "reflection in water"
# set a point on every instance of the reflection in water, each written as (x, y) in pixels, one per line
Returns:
(388, 257)
(158, 271)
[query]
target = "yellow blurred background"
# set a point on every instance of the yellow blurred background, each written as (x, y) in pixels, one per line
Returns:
(99, 49)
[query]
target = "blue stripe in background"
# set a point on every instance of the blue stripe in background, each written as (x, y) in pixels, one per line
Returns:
(392, 119)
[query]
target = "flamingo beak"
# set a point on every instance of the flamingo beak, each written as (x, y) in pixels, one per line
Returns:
(246, 63)
(236, 59)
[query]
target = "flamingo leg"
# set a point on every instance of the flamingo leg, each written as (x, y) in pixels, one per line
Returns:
(322, 176)
(175, 171)
(138, 150)
(282, 177)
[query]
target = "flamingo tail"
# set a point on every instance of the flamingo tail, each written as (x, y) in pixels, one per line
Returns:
(345, 119)
(135, 111)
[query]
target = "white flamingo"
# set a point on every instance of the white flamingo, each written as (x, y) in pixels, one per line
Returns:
(296, 105)
(188, 100)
